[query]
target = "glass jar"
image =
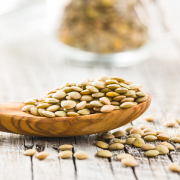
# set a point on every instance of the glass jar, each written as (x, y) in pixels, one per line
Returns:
(101, 32)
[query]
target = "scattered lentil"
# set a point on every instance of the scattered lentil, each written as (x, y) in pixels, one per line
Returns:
(81, 155)
(29, 152)
(102, 144)
(152, 153)
(129, 162)
(162, 149)
(42, 155)
(174, 167)
(104, 153)
(65, 154)
(123, 156)
(65, 147)
(148, 147)
(118, 133)
(168, 145)
(116, 146)
(149, 118)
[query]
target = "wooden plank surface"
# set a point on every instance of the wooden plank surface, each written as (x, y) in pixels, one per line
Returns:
(30, 66)
(12, 163)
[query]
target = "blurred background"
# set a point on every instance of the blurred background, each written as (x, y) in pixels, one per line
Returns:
(46, 43)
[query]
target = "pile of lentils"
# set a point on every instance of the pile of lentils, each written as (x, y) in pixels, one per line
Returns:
(88, 96)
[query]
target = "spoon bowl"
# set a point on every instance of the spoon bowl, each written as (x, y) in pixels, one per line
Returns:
(13, 120)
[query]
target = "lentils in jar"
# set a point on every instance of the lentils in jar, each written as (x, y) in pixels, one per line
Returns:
(102, 26)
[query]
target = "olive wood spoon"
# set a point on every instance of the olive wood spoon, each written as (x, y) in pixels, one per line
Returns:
(13, 120)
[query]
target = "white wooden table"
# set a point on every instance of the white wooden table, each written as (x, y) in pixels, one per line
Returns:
(31, 63)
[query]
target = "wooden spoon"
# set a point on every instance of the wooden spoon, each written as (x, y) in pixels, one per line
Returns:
(13, 120)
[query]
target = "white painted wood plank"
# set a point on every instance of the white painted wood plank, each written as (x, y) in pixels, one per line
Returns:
(94, 167)
(29, 67)
(48, 168)
(13, 164)
(67, 167)
(121, 171)
(160, 165)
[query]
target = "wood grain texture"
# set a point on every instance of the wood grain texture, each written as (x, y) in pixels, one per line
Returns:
(12, 162)
(94, 167)
(13, 120)
(158, 164)
(52, 161)
(29, 66)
